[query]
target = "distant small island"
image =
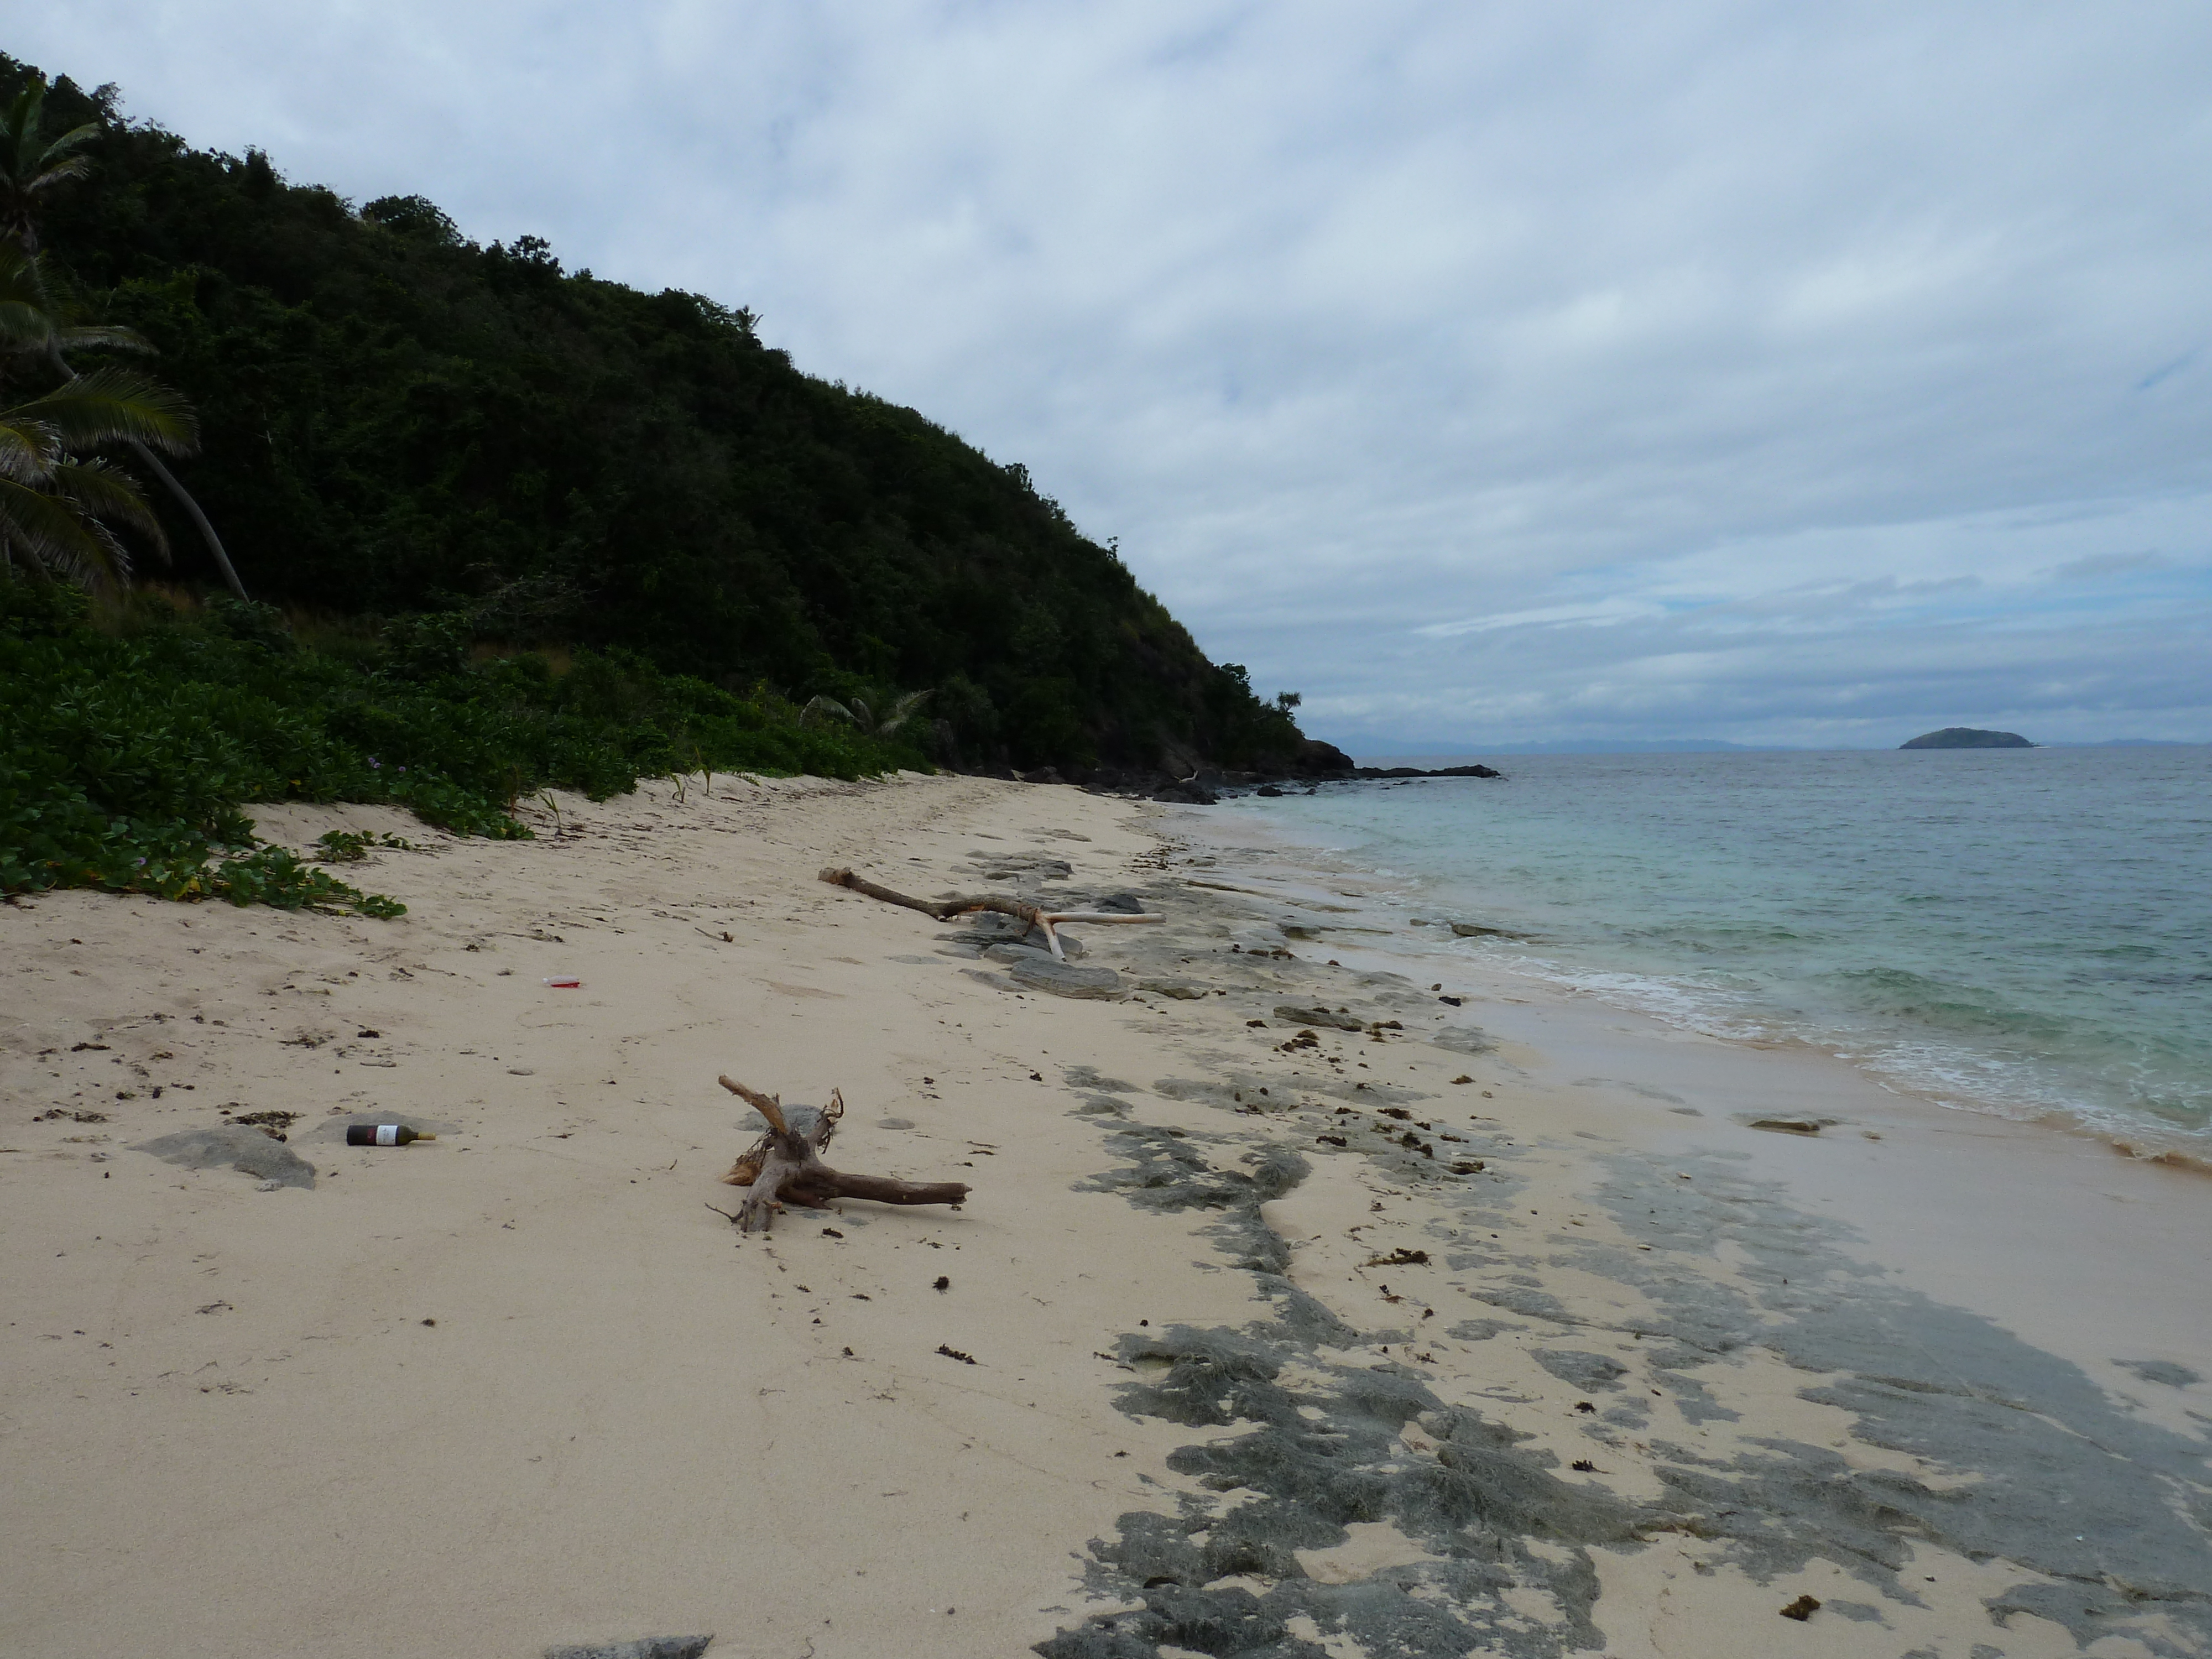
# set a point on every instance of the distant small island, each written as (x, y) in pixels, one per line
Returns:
(1967, 737)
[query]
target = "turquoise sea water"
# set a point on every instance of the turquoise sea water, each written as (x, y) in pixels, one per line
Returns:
(2027, 931)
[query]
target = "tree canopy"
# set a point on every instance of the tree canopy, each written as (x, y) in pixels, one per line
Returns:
(394, 421)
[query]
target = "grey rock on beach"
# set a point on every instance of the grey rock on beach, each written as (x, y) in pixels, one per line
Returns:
(1298, 1016)
(1039, 972)
(1016, 951)
(649, 1647)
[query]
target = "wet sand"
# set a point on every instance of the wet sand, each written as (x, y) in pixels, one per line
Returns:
(1236, 1388)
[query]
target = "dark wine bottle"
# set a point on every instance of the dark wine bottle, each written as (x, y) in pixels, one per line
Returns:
(382, 1134)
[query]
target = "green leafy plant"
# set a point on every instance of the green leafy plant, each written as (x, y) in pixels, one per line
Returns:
(352, 846)
(133, 740)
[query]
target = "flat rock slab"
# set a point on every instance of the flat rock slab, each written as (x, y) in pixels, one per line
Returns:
(334, 1127)
(1465, 1040)
(2161, 1371)
(1181, 990)
(1785, 1126)
(1040, 972)
(1298, 1016)
(233, 1147)
(649, 1647)
(1012, 951)
(1020, 866)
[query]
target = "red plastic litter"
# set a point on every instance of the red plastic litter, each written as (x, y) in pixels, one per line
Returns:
(564, 983)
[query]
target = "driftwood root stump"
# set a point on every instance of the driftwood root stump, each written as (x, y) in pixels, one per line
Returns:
(785, 1166)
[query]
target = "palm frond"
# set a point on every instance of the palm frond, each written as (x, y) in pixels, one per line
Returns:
(103, 336)
(28, 450)
(73, 167)
(826, 707)
(900, 712)
(24, 326)
(112, 406)
(107, 495)
(58, 539)
(30, 163)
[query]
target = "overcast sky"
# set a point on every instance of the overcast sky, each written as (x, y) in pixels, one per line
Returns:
(1732, 368)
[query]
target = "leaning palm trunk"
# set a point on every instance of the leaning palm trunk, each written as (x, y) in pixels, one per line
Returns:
(191, 511)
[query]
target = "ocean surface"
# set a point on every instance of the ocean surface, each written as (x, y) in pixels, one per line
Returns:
(2021, 932)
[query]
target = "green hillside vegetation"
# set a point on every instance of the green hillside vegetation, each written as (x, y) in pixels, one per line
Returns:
(395, 419)
(506, 529)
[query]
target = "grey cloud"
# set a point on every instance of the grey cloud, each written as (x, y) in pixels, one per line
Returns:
(2095, 565)
(1620, 350)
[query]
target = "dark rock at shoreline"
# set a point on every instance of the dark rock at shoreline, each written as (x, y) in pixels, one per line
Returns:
(1186, 794)
(1317, 759)
(1967, 737)
(1314, 761)
(1476, 771)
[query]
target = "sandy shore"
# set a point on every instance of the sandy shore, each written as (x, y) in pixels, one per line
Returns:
(1561, 1356)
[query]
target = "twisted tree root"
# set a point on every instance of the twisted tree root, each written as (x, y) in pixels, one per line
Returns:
(786, 1167)
(946, 910)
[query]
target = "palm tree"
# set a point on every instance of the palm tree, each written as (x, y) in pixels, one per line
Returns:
(62, 505)
(856, 713)
(33, 165)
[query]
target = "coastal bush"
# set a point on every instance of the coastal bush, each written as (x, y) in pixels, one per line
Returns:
(132, 735)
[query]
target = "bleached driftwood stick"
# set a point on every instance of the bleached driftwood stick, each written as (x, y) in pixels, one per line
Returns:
(960, 904)
(786, 1167)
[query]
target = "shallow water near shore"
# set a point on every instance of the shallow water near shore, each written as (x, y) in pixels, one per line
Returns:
(2024, 932)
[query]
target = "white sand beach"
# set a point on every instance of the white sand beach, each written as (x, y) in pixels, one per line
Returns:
(1397, 1338)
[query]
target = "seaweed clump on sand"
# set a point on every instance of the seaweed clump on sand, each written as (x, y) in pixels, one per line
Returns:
(1495, 1546)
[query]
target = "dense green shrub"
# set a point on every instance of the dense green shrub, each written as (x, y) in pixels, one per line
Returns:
(130, 742)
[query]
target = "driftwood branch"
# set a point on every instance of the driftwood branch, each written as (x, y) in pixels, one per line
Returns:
(962, 904)
(785, 1166)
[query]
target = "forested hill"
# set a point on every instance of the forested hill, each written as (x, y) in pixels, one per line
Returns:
(396, 420)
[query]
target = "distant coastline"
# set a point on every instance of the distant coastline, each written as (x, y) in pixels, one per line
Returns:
(1381, 753)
